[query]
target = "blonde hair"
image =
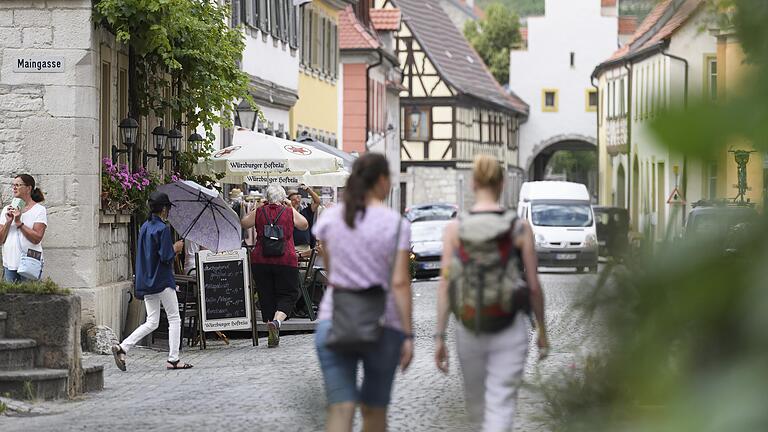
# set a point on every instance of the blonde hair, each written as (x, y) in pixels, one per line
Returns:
(488, 173)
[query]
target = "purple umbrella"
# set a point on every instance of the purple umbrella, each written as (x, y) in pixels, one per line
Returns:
(200, 215)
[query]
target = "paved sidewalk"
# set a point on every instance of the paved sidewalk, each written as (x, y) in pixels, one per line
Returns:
(240, 387)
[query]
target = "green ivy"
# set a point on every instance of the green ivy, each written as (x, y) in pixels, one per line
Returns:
(183, 45)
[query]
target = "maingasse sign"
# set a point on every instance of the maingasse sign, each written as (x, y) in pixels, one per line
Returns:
(38, 64)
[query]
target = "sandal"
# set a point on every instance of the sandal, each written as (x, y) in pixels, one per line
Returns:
(119, 354)
(176, 365)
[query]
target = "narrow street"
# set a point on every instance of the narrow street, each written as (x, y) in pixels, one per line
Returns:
(239, 387)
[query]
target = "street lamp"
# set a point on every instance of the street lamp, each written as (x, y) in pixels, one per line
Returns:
(195, 141)
(245, 115)
(128, 129)
(159, 136)
(174, 142)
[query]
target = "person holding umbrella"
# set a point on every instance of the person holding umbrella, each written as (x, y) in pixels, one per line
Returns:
(155, 283)
(274, 263)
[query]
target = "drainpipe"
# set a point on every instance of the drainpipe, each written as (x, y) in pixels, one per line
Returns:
(685, 106)
(630, 70)
(368, 95)
(597, 134)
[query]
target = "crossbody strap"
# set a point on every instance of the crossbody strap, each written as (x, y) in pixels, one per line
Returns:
(394, 255)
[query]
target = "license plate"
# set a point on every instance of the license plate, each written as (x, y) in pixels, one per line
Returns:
(565, 256)
(431, 266)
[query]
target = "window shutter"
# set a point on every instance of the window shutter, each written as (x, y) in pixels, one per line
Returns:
(294, 27)
(286, 12)
(235, 13)
(334, 50)
(273, 18)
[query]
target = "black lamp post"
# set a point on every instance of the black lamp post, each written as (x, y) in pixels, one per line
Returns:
(174, 141)
(128, 129)
(245, 115)
(159, 135)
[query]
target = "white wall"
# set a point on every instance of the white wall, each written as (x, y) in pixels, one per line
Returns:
(273, 63)
(569, 26)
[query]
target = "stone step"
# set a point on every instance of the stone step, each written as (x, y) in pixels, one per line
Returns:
(93, 378)
(17, 354)
(3, 317)
(34, 383)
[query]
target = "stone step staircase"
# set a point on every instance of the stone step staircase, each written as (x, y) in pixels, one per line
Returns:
(20, 379)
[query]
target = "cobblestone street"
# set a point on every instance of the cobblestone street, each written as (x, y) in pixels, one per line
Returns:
(239, 387)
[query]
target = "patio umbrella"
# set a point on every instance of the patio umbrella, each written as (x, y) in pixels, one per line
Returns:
(257, 154)
(200, 215)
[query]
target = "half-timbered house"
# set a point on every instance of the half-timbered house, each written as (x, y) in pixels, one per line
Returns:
(451, 108)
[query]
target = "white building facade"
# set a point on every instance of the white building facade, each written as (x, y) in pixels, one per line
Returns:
(552, 73)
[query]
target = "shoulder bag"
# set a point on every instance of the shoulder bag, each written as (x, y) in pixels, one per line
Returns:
(358, 314)
(29, 267)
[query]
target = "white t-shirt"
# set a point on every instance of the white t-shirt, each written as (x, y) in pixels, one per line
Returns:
(11, 252)
(190, 248)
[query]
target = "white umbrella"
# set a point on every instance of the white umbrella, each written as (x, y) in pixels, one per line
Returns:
(333, 179)
(261, 155)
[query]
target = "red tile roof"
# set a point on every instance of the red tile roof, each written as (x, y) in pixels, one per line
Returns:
(627, 25)
(652, 30)
(608, 3)
(385, 19)
(352, 34)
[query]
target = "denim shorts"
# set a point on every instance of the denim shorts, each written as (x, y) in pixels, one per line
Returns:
(340, 369)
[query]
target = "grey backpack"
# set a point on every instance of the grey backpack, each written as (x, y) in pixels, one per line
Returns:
(486, 281)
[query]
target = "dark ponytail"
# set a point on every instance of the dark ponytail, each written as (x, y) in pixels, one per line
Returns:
(366, 172)
(37, 194)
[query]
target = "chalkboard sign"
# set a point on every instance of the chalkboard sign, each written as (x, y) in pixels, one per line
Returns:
(224, 290)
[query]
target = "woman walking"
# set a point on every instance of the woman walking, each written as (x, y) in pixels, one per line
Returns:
(366, 247)
(484, 255)
(273, 259)
(22, 227)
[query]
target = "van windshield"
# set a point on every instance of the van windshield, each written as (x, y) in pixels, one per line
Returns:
(561, 215)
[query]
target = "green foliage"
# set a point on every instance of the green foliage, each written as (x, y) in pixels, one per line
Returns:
(576, 165)
(523, 8)
(182, 47)
(3, 408)
(44, 287)
(493, 37)
(687, 346)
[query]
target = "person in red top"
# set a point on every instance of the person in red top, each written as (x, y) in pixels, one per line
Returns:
(276, 274)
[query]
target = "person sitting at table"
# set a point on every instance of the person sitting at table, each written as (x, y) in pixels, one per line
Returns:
(304, 240)
(276, 274)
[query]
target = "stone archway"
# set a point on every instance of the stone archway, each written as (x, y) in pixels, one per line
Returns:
(544, 150)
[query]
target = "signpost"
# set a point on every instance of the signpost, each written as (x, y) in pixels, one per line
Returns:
(224, 295)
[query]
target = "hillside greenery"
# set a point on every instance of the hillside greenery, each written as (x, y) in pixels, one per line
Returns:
(525, 8)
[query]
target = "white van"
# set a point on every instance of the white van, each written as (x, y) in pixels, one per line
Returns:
(563, 223)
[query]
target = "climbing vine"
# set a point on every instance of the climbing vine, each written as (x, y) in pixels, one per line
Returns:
(187, 57)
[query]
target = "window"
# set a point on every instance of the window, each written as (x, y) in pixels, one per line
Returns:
(417, 124)
(622, 110)
(573, 59)
(549, 100)
(710, 82)
(591, 100)
(712, 180)
(105, 117)
(319, 46)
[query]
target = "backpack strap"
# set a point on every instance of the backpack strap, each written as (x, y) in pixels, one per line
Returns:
(278, 216)
(266, 216)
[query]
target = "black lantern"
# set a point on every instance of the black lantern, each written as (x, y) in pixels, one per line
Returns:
(195, 141)
(245, 115)
(159, 136)
(174, 140)
(128, 129)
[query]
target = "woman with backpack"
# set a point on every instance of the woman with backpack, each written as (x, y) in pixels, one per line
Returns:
(490, 283)
(366, 247)
(274, 263)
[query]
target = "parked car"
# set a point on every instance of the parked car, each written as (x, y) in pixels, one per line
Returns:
(427, 247)
(720, 225)
(431, 212)
(561, 216)
(612, 226)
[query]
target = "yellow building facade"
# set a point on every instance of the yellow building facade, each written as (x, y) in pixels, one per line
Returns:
(317, 111)
(732, 71)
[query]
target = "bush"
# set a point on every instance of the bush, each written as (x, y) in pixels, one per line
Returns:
(44, 287)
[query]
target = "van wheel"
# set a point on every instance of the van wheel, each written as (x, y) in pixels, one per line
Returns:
(579, 269)
(593, 269)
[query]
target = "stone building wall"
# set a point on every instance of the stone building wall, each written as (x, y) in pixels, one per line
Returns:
(49, 128)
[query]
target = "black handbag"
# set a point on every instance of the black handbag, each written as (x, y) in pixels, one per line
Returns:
(358, 314)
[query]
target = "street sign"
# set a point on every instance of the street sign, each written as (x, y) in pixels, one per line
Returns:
(675, 197)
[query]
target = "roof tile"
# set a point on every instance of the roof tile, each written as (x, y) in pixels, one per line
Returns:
(627, 25)
(352, 34)
(452, 55)
(386, 19)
